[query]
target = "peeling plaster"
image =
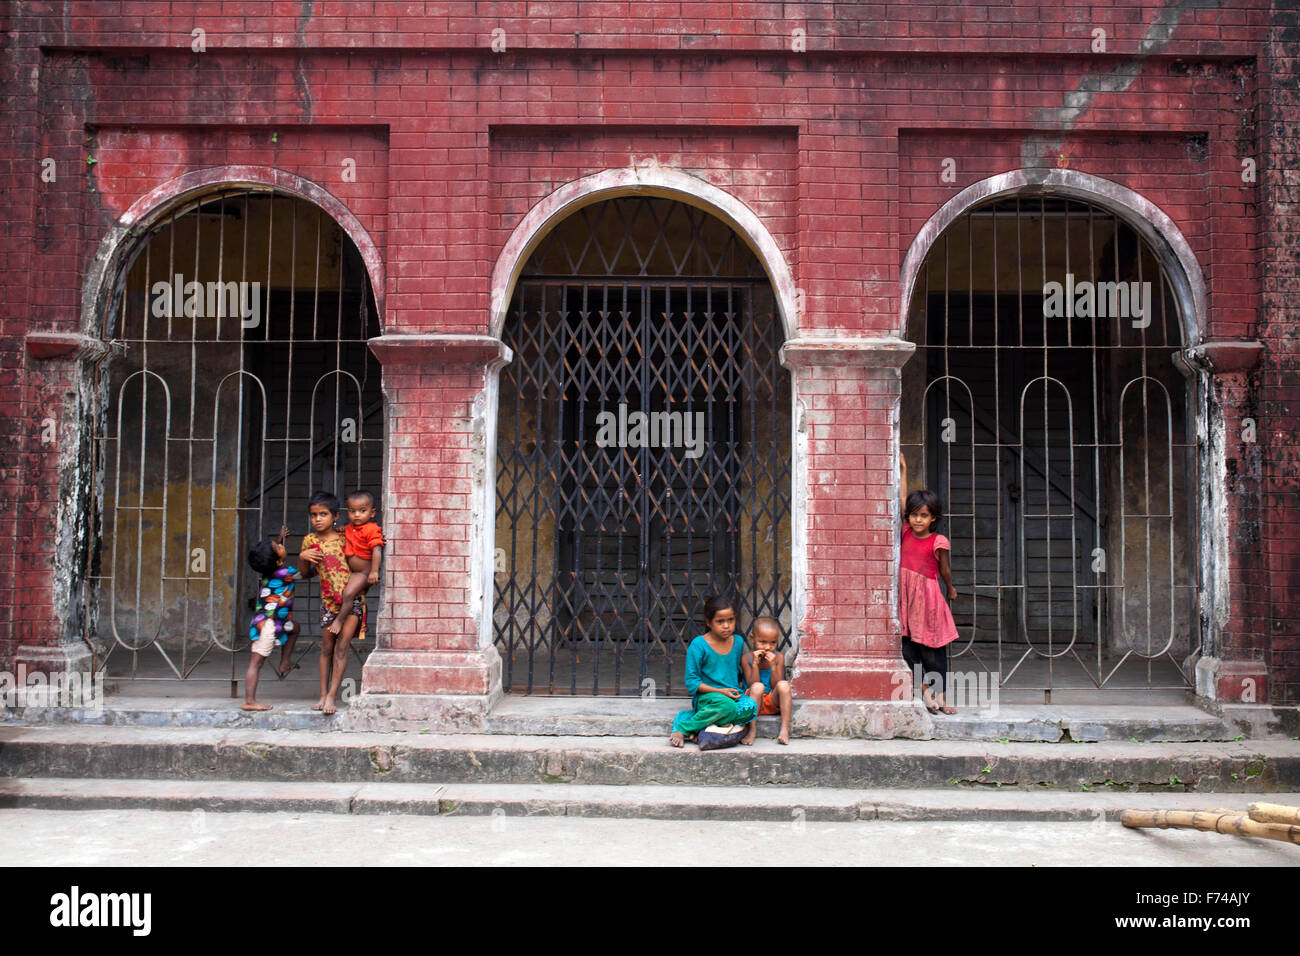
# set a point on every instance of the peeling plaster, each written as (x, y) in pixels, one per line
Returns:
(1033, 149)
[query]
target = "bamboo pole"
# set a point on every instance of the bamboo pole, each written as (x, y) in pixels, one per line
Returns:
(1274, 813)
(1215, 821)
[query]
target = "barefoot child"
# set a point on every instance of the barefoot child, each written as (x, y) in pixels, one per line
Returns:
(766, 674)
(926, 620)
(322, 553)
(364, 547)
(713, 676)
(273, 623)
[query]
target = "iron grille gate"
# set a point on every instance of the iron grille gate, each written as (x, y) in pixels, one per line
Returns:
(1061, 447)
(609, 538)
(222, 407)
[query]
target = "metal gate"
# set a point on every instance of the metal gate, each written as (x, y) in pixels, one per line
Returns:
(643, 450)
(238, 382)
(1046, 407)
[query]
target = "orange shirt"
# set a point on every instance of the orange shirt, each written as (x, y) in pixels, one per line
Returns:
(361, 541)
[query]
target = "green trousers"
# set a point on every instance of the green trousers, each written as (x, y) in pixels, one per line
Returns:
(713, 709)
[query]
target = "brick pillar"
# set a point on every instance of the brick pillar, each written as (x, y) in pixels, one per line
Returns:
(434, 664)
(54, 508)
(1232, 668)
(849, 673)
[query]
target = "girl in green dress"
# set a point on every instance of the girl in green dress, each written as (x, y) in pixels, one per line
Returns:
(714, 678)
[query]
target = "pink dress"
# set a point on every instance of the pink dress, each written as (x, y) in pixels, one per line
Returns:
(922, 610)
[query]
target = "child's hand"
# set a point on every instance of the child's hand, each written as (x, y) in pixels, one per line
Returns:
(372, 577)
(952, 593)
(732, 693)
(312, 556)
(284, 532)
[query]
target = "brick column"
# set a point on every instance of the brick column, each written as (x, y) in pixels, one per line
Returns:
(849, 674)
(434, 664)
(54, 507)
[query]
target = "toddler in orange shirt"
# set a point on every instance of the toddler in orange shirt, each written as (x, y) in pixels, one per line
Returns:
(364, 549)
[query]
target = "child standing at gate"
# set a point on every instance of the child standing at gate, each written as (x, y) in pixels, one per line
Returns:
(273, 623)
(364, 548)
(323, 554)
(926, 621)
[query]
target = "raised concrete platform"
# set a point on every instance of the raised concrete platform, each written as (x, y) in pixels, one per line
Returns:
(772, 804)
(1122, 718)
(209, 754)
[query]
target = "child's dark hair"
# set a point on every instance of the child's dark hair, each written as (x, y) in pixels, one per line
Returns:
(925, 499)
(362, 493)
(262, 558)
(328, 499)
(713, 603)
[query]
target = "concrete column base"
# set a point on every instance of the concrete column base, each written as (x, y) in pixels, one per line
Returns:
(851, 679)
(436, 713)
(1232, 681)
(863, 719)
(418, 689)
(53, 677)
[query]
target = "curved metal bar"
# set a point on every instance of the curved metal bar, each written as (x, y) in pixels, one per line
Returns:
(1146, 515)
(1047, 516)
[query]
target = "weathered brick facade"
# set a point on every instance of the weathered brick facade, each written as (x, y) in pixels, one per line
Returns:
(829, 122)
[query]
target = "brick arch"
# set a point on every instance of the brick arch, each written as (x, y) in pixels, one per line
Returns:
(116, 246)
(1145, 217)
(641, 181)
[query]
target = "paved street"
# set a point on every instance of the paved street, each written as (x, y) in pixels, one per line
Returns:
(143, 837)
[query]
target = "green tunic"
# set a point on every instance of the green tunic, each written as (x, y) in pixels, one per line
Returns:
(704, 665)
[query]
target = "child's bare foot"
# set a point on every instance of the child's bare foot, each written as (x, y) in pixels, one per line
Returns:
(748, 739)
(931, 704)
(328, 706)
(285, 667)
(319, 704)
(334, 626)
(783, 737)
(255, 705)
(676, 738)
(946, 707)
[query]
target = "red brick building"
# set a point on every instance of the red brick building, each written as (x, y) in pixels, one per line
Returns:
(433, 249)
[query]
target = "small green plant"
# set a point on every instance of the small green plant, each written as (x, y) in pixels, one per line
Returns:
(987, 770)
(1134, 740)
(91, 160)
(1004, 740)
(275, 136)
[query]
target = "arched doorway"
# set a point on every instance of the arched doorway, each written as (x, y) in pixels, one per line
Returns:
(1047, 407)
(238, 382)
(643, 449)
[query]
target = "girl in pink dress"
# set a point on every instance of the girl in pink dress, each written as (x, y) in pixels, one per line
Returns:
(926, 621)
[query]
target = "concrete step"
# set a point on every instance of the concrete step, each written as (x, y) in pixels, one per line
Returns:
(791, 805)
(637, 717)
(301, 756)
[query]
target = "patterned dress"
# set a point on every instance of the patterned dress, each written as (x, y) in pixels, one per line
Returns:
(333, 573)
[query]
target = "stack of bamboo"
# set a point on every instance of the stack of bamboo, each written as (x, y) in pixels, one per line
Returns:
(1269, 820)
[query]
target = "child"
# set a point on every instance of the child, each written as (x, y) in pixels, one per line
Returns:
(927, 623)
(713, 666)
(364, 548)
(273, 623)
(766, 674)
(322, 553)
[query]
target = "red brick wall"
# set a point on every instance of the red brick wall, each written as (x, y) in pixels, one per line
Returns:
(834, 148)
(1276, 398)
